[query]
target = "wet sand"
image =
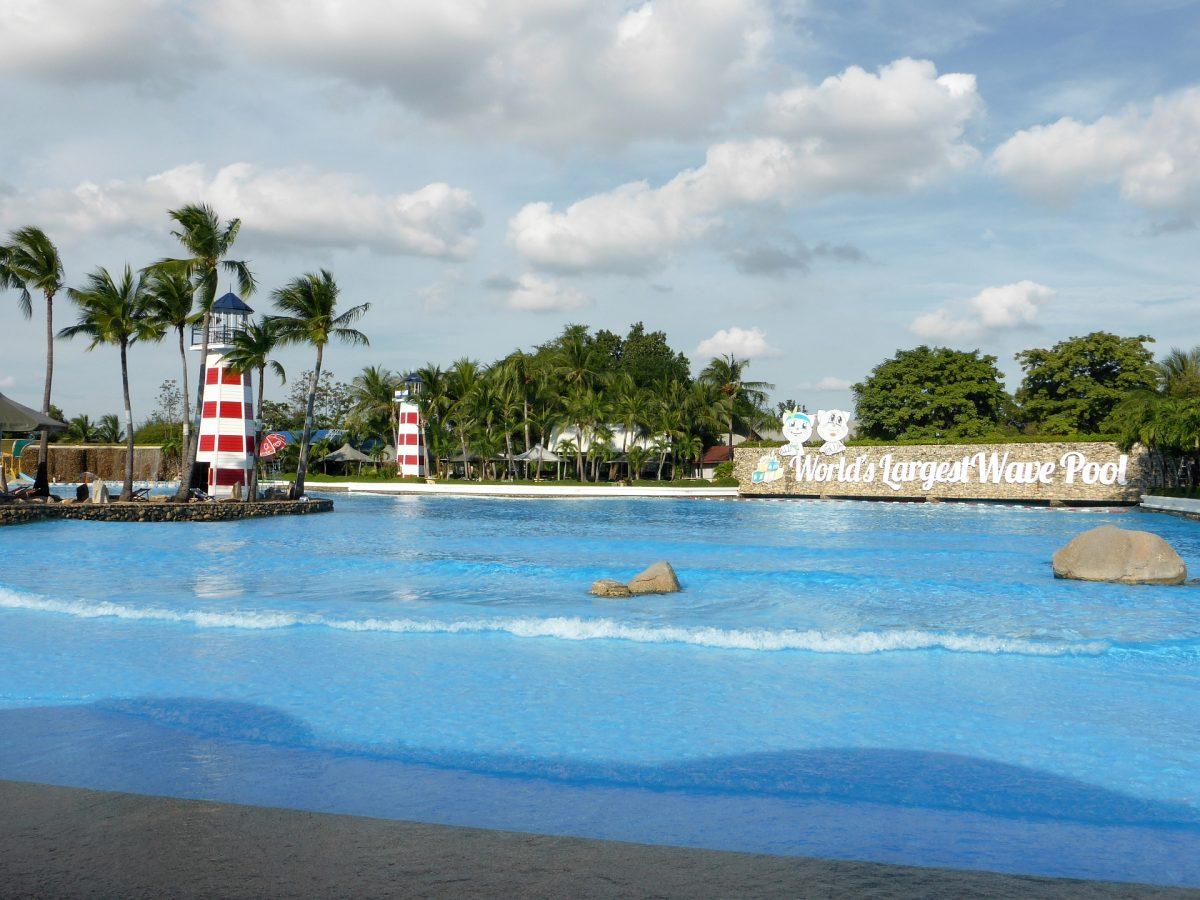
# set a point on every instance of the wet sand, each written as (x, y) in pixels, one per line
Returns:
(69, 842)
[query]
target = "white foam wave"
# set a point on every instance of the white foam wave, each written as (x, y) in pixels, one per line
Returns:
(576, 629)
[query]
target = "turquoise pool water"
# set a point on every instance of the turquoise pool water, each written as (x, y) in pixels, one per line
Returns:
(897, 682)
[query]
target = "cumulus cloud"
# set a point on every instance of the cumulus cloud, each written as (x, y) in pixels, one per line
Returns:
(91, 40)
(894, 130)
(1005, 308)
(533, 293)
(283, 207)
(1152, 155)
(744, 343)
(553, 71)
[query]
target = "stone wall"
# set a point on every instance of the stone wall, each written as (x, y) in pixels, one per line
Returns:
(68, 462)
(1050, 472)
(147, 511)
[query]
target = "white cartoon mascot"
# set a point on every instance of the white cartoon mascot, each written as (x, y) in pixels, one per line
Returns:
(832, 427)
(767, 470)
(797, 428)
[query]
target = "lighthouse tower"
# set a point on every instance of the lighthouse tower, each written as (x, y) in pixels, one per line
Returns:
(410, 436)
(227, 425)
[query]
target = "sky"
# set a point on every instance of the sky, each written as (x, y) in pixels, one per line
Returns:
(811, 185)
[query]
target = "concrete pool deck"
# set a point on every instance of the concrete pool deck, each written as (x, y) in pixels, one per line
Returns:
(71, 842)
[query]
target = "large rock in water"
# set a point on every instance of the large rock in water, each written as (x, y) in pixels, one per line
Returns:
(606, 587)
(1115, 554)
(658, 579)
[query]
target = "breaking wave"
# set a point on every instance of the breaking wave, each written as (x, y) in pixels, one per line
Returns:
(578, 629)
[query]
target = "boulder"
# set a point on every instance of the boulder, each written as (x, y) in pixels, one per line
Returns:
(658, 579)
(606, 587)
(1119, 555)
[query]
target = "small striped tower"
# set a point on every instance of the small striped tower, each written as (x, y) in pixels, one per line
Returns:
(227, 425)
(410, 435)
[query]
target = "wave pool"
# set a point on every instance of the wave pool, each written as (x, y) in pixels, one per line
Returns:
(890, 682)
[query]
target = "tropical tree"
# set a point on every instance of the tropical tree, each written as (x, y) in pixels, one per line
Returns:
(172, 299)
(116, 313)
(1179, 372)
(373, 399)
(932, 392)
(1075, 385)
(31, 262)
(308, 307)
(80, 430)
(109, 430)
(251, 351)
(729, 374)
(434, 402)
(464, 377)
(206, 244)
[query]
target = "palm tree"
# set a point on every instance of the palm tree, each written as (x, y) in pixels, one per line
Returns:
(109, 430)
(309, 304)
(116, 313)
(206, 243)
(464, 377)
(434, 402)
(373, 394)
(81, 430)
(251, 351)
(171, 301)
(31, 262)
(1179, 372)
(728, 374)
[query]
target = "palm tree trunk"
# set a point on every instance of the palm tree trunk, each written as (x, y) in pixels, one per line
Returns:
(662, 461)
(302, 466)
(127, 486)
(462, 438)
(525, 414)
(187, 413)
(258, 433)
(187, 470)
(512, 466)
(42, 479)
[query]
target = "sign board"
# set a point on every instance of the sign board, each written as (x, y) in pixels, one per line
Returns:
(1078, 472)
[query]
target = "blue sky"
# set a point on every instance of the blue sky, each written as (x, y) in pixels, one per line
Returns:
(809, 184)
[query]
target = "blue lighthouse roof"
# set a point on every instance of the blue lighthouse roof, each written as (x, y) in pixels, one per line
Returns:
(230, 302)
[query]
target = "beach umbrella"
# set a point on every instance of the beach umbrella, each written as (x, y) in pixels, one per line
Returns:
(15, 416)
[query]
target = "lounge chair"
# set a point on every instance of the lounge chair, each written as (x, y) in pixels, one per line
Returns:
(142, 493)
(197, 494)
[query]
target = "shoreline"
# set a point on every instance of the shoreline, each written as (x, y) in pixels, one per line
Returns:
(63, 841)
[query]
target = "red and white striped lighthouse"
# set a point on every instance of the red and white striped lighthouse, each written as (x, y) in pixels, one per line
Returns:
(410, 436)
(227, 425)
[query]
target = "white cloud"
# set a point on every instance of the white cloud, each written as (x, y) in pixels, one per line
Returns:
(84, 40)
(439, 296)
(862, 131)
(1152, 155)
(1005, 308)
(827, 383)
(533, 293)
(551, 71)
(743, 343)
(856, 132)
(282, 207)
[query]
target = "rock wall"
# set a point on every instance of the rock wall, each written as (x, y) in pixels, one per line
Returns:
(1050, 472)
(145, 511)
(68, 461)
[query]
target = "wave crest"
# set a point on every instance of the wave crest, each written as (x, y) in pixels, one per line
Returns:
(578, 629)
